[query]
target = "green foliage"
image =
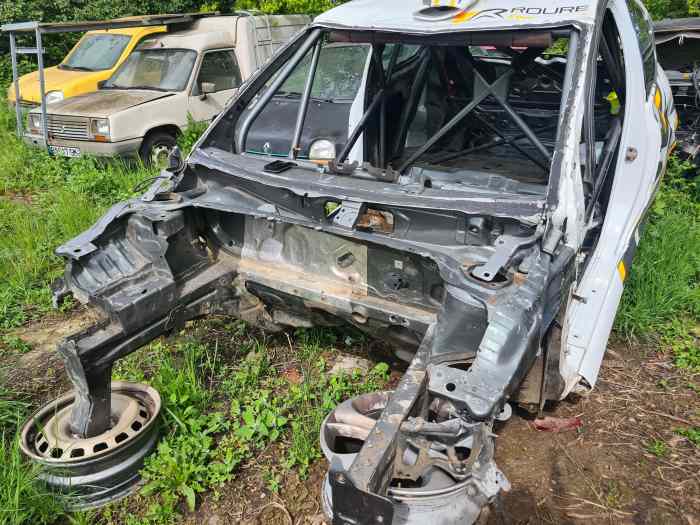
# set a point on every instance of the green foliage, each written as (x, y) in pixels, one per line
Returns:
(186, 462)
(191, 134)
(287, 6)
(662, 297)
(660, 9)
(657, 447)
(14, 344)
(22, 498)
(210, 432)
(45, 201)
(692, 434)
(314, 398)
(12, 408)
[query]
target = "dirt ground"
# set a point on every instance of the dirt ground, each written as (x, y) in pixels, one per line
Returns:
(604, 472)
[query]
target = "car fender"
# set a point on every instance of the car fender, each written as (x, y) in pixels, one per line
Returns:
(136, 121)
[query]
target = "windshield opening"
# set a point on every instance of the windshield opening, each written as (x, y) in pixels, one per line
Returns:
(484, 112)
(96, 52)
(155, 69)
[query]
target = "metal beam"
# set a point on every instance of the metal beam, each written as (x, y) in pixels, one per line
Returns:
(274, 87)
(484, 90)
(117, 23)
(304, 104)
(15, 81)
(42, 89)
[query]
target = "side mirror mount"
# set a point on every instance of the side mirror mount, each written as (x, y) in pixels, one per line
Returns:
(101, 84)
(205, 88)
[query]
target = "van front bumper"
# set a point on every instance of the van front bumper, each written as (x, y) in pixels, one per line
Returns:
(124, 148)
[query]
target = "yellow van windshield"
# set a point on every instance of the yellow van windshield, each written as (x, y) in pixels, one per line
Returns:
(96, 52)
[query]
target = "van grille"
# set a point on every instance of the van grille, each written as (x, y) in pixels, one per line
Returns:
(62, 127)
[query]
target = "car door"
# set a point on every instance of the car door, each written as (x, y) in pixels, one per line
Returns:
(220, 68)
(640, 158)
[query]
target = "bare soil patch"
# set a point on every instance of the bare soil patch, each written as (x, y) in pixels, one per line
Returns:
(39, 373)
(602, 473)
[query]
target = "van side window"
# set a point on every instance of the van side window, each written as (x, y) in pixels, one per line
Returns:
(219, 68)
(645, 37)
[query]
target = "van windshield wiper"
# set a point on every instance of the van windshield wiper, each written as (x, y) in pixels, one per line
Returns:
(151, 88)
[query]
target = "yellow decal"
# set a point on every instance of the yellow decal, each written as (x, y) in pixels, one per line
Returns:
(622, 271)
(658, 102)
(464, 16)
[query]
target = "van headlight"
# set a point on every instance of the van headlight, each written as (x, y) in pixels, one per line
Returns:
(322, 150)
(54, 96)
(34, 122)
(100, 129)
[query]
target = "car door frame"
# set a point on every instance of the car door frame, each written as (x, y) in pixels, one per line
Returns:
(593, 303)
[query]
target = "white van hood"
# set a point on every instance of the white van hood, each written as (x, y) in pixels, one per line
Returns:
(104, 102)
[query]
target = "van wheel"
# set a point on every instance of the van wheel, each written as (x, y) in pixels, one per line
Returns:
(156, 148)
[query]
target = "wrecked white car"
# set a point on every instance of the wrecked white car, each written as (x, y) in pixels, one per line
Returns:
(465, 180)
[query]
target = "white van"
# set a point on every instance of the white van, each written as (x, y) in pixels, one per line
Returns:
(145, 104)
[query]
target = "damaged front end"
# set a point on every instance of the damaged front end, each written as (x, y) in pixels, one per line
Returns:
(433, 230)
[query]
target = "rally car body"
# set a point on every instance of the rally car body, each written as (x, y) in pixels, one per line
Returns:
(468, 183)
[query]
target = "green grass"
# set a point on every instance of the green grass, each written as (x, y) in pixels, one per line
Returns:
(661, 301)
(45, 201)
(23, 499)
(692, 434)
(657, 447)
(210, 432)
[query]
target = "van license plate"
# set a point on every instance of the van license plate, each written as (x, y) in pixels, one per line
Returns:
(64, 151)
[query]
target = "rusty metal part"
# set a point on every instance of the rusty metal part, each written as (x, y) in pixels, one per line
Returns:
(436, 495)
(377, 221)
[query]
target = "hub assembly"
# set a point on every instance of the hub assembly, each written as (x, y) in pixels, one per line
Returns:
(93, 471)
(436, 495)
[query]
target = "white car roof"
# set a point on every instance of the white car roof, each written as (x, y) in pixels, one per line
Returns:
(443, 16)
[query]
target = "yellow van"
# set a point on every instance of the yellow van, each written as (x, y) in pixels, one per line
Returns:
(94, 58)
